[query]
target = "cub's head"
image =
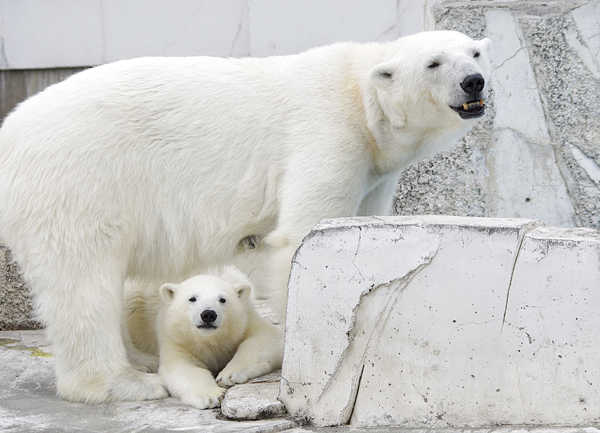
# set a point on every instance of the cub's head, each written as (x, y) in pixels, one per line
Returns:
(435, 77)
(209, 304)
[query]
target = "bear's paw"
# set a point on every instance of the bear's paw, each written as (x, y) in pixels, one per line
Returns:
(133, 385)
(207, 398)
(229, 377)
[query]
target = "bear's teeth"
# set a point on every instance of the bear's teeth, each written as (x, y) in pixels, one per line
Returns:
(471, 105)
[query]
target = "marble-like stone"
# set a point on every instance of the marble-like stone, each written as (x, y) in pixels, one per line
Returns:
(16, 310)
(252, 401)
(443, 321)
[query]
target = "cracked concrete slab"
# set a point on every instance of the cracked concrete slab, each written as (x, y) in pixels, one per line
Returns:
(387, 287)
(483, 322)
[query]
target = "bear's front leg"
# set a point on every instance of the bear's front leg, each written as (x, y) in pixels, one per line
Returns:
(188, 380)
(259, 354)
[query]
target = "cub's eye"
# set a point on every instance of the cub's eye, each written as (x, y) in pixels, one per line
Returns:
(477, 53)
(222, 300)
(433, 65)
(193, 299)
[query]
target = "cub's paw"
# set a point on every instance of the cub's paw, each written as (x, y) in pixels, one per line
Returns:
(207, 398)
(230, 376)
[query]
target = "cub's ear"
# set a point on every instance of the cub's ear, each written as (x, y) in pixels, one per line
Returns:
(485, 44)
(167, 291)
(242, 290)
(382, 76)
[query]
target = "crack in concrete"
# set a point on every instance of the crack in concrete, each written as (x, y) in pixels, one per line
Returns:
(511, 57)
(239, 29)
(522, 233)
(370, 316)
(356, 253)
(512, 274)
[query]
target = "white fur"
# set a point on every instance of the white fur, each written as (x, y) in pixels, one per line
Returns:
(242, 345)
(160, 167)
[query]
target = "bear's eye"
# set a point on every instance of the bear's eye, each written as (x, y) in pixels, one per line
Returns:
(222, 300)
(433, 65)
(477, 53)
(193, 299)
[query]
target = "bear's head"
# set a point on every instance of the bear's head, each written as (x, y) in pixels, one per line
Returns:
(435, 79)
(209, 304)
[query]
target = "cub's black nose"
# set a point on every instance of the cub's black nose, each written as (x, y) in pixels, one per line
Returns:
(473, 84)
(208, 316)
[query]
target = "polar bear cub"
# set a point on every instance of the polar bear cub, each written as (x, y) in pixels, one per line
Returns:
(206, 326)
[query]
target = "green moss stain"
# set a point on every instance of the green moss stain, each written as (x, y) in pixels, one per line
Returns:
(13, 344)
(39, 353)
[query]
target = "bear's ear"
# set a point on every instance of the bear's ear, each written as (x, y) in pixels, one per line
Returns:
(485, 44)
(242, 290)
(167, 291)
(382, 76)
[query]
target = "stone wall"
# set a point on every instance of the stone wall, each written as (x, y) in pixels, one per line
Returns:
(16, 311)
(536, 154)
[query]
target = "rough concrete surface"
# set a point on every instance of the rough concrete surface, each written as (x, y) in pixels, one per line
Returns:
(28, 401)
(16, 310)
(28, 404)
(443, 322)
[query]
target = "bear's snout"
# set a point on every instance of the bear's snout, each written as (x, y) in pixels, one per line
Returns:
(473, 84)
(208, 316)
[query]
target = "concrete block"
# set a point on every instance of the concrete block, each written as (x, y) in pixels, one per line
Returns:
(252, 401)
(443, 321)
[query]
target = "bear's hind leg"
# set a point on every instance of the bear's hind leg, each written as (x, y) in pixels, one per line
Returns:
(140, 360)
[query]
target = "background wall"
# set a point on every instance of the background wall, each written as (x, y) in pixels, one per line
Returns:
(536, 154)
(39, 38)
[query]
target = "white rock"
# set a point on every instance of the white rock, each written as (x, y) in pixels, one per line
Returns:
(443, 321)
(252, 401)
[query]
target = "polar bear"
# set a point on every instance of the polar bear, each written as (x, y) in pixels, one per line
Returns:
(204, 326)
(161, 167)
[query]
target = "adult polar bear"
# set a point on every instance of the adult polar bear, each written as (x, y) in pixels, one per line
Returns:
(160, 167)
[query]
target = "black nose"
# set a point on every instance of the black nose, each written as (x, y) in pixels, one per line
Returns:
(208, 316)
(473, 84)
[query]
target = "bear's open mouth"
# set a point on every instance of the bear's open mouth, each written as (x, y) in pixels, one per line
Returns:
(470, 110)
(206, 326)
